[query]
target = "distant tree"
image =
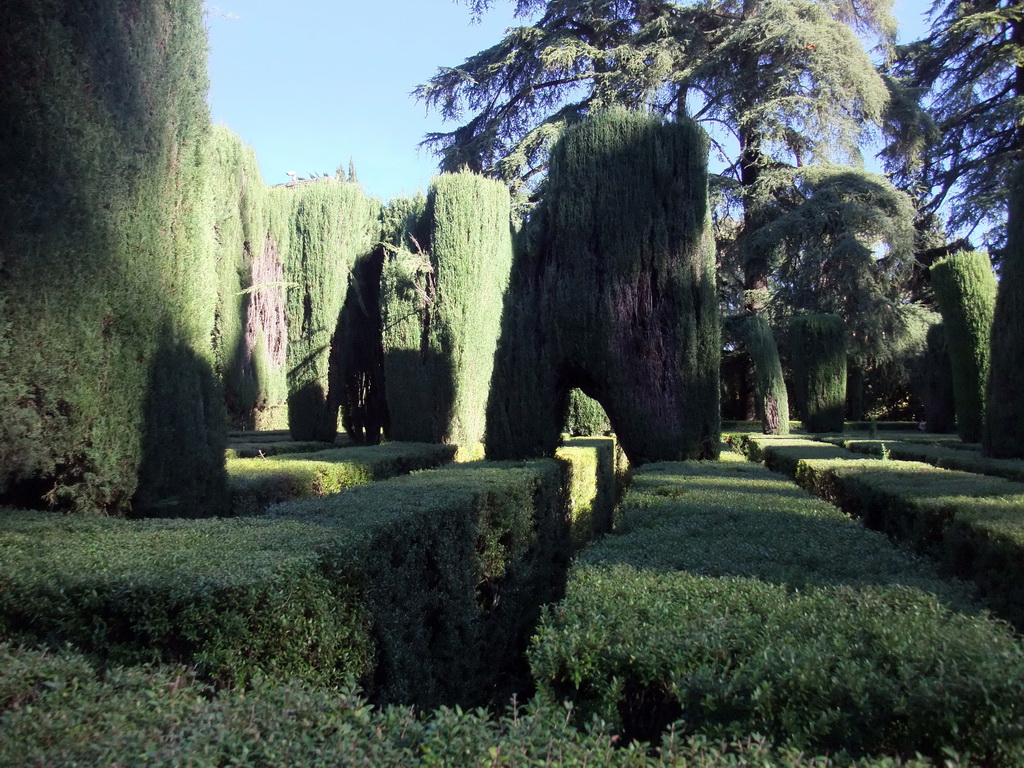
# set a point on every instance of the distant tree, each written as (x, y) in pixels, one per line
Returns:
(968, 74)
(352, 177)
(787, 81)
(818, 353)
(771, 387)
(1004, 416)
(966, 288)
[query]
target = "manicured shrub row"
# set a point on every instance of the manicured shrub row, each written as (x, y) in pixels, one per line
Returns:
(591, 503)
(258, 449)
(60, 710)
(424, 587)
(256, 483)
(732, 602)
(972, 524)
(944, 456)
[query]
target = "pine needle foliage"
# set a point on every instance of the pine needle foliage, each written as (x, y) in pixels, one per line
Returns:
(773, 400)
(966, 134)
(1004, 415)
(615, 295)
(441, 309)
(109, 399)
(333, 224)
(818, 355)
(965, 286)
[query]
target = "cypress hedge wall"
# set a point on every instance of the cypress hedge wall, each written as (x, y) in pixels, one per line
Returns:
(334, 224)
(773, 400)
(818, 352)
(1004, 417)
(936, 376)
(441, 300)
(614, 294)
(250, 238)
(108, 400)
(966, 289)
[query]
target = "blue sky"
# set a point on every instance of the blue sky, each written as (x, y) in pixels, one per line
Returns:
(312, 83)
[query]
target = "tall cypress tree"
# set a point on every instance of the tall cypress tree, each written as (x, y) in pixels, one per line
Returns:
(108, 400)
(966, 288)
(441, 310)
(1004, 416)
(818, 352)
(333, 225)
(773, 400)
(615, 294)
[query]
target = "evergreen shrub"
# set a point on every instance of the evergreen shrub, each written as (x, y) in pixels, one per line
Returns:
(441, 301)
(1004, 418)
(257, 483)
(973, 525)
(614, 293)
(62, 710)
(773, 400)
(818, 356)
(333, 226)
(966, 289)
(106, 288)
(424, 588)
(730, 602)
(584, 416)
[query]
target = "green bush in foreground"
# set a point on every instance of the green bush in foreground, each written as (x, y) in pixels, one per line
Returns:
(731, 608)
(966, 289)
(424, 587)
(59, 710)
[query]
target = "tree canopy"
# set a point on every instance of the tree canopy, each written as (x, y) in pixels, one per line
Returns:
(957, 152)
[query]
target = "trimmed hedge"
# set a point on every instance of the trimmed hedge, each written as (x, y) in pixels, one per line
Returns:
(959, 457)
(422, 587)
(613, 292)
(773, 400)
(257, 483)
(972, 524)
(817, 346)
(441, 308)
(965, 287)
(1003, 436)
(732, 602)
(57, 709)
(107, 297)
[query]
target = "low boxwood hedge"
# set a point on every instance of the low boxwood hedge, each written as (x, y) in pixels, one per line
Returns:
(944, 456)
(732, 603)
(424, 587)
(972, 524)
(257, 483)
(57, 709)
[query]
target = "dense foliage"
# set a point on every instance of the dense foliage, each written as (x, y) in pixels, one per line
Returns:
(614, 293)
(1004, 417)
(441, 310)
(108, 399)
(772, 398)
(966, 289)
(817, 345)
(334, 225)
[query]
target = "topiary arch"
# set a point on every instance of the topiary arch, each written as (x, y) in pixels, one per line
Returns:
(613, 293)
